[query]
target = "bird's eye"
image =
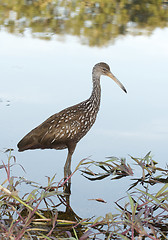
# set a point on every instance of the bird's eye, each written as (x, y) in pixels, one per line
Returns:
(104, 69)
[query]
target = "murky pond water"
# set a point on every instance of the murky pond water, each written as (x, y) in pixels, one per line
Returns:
(40, 77)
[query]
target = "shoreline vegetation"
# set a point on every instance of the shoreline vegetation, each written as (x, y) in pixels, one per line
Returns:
(143, 215)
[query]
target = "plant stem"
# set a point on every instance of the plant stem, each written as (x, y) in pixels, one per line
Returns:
(5, 190)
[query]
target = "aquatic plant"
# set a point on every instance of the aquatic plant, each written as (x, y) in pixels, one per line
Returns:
(36, 214)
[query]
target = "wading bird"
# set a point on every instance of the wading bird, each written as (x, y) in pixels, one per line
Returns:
(66, 128)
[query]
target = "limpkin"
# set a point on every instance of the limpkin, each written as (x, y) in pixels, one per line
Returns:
(66, 128)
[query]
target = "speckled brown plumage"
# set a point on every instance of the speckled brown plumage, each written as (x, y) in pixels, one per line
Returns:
(66, 128)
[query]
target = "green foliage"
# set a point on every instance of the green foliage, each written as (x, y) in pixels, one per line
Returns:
(142, 214)
(96, 22)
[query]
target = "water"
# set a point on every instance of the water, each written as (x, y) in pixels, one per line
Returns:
(40, 78)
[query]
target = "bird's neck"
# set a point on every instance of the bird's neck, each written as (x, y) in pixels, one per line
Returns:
(96, 92)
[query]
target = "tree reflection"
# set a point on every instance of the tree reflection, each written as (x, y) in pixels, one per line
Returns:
(96, 22)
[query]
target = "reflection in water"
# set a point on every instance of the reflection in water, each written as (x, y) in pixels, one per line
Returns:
(62, 220)
(97, 22)
(68, 215)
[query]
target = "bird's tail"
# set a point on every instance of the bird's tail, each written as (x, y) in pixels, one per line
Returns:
(27, 143)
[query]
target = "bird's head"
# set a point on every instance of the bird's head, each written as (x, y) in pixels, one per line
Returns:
(104, 69)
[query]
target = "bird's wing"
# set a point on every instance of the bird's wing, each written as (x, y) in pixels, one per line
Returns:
(61, 127)
(71, 124)
(35, 137)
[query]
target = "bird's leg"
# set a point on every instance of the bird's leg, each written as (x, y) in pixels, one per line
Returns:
(67, 173)
(67, 167)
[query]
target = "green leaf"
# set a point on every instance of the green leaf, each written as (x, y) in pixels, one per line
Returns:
(153, 198)
(122, 236)
(131, 203)
(161, 190)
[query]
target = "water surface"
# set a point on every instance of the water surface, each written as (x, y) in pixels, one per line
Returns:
(40, 78)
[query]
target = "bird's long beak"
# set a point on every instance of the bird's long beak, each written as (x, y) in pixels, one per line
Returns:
(109, 74)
